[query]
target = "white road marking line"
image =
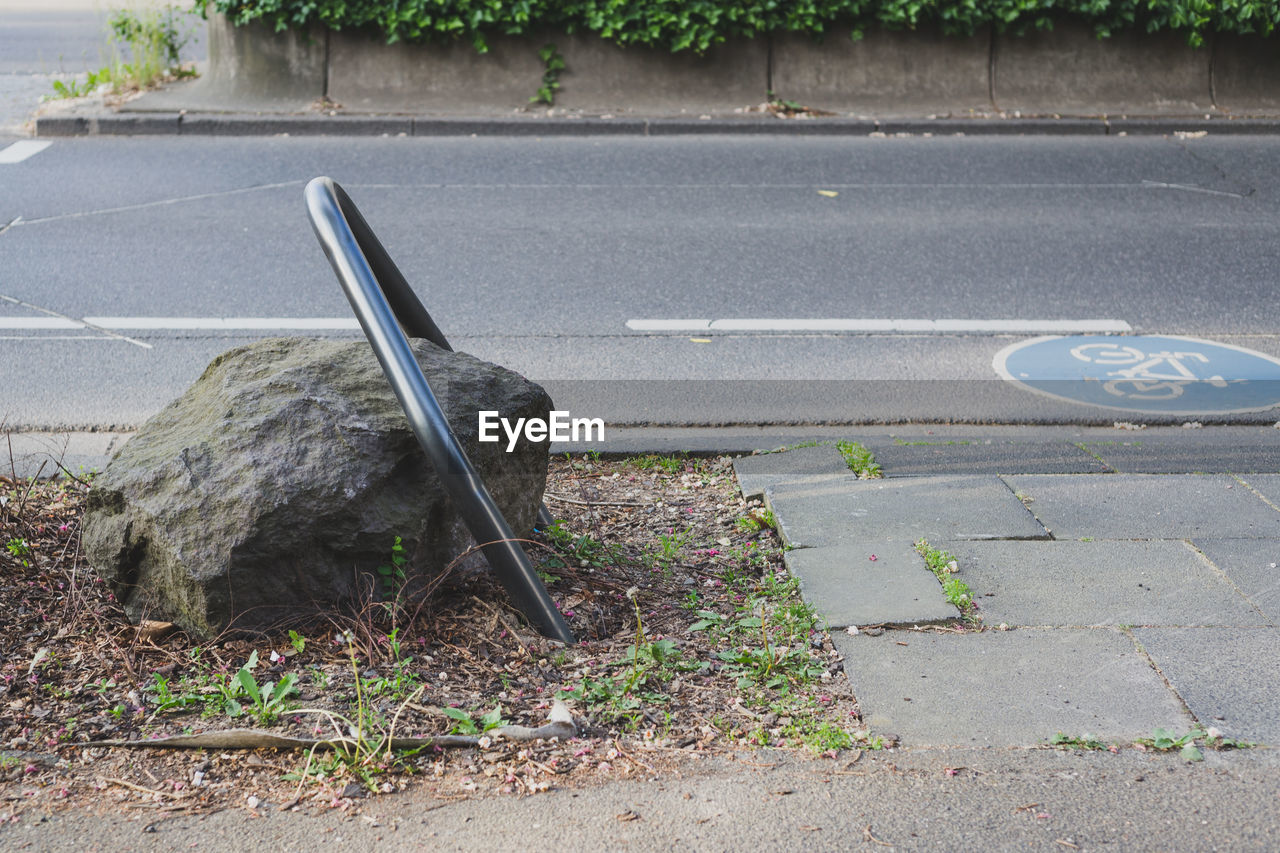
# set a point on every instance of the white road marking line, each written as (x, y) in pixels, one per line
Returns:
(223, 324)
(29, 338)
(21, 150)
(669, 325)
(1063, 327)
(81, 323)
(1039, 327)
(39, 323)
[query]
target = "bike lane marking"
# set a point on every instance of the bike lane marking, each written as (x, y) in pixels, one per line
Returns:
(879, 324)
(1157, 374)
(21, 150)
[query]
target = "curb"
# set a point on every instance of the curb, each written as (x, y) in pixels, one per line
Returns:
(250, 124)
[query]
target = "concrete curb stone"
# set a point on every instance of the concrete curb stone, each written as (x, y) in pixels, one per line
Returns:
(267, 125)
(105, 122)
(996, 126)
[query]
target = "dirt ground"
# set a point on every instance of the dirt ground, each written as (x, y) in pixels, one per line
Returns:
(692, 641)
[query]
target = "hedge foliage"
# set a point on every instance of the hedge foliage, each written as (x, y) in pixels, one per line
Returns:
(698, 24)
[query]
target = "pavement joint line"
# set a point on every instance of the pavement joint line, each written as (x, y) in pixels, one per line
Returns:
(22, 150)
(1142, 650)
(1224, 577)
(158, 203)
(1266, 500)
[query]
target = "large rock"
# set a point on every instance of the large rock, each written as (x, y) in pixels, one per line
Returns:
(276, 485)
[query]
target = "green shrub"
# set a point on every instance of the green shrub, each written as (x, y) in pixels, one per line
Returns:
(699, 24)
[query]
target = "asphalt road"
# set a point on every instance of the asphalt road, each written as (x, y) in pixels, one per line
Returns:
(537, 252)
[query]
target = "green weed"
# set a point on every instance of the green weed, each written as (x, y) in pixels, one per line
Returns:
(944, 566)
(392, 577)
(553, 64)
(361, 746)
(652, 461)
(20, 551)
(153, 40)
(266, 701)
(756, 520)
(1073, 742)
(463, 724)
(860, 460)
(582, 550)
(1166, 740)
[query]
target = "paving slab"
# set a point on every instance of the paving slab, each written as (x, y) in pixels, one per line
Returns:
(1072, 583)
(1267, 485)
(884, 583)
(1007, 688)
(803, 464)
(843, 512)
(1146, 506)
(1229, 677)
(911, 457)
(1170, 457)
(1253, 565)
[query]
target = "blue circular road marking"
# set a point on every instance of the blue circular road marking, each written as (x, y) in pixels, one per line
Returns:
(1164, 374)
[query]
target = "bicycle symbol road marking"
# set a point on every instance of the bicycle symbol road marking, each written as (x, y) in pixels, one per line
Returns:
(1149, 373)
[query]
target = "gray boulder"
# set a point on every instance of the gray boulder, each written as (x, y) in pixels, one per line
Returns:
(276, 485)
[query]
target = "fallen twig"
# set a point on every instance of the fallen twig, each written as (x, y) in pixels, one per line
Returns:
(563, 499)
(560, 725)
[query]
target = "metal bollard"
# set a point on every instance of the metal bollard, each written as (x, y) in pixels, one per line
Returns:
(388, 310)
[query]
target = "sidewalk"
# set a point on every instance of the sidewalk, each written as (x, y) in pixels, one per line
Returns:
(1115, 600)
(1120, 594)
(1127, 580)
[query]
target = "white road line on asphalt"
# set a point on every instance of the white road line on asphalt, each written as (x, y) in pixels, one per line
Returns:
(29, 338)
(223, 324)
(48, 312)
(1039, 327)
(21, 150)
(669, 325)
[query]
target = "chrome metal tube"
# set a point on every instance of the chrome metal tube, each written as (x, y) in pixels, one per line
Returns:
(383, 302)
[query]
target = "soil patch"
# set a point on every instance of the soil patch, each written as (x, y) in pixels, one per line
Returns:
(693, 640)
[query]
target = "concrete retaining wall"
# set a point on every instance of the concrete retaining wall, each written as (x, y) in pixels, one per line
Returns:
(1067, 71)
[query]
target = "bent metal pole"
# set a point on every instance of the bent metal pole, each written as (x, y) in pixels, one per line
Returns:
(373, 286)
